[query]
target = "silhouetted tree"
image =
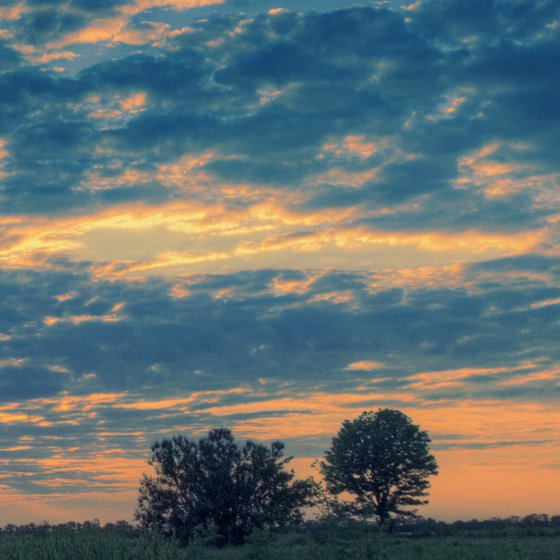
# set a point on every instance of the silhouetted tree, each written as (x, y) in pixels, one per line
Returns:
(217, 485)
(383, 460)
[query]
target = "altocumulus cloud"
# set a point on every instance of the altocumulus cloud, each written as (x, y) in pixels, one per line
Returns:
(93, 361)
(268, 96)
(353, 207)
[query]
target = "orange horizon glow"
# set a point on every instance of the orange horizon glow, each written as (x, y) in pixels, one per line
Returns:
(470, 484)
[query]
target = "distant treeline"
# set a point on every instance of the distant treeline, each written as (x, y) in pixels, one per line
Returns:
(535, 523)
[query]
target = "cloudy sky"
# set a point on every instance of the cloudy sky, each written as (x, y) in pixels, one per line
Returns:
(272, 216)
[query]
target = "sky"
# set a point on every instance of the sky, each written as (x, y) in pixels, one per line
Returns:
(272, 216)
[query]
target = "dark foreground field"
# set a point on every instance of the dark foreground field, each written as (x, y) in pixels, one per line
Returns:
(99, 544)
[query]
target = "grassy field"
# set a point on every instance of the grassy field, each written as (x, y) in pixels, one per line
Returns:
(98, 544)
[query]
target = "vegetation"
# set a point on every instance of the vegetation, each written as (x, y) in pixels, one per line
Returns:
(383, 460)
(317, 541)
(221, 488)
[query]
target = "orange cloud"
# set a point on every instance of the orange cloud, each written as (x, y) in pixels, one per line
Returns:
(98, 30)
(342, 178)
(85, 403)
(199, 397)
(534, 378)
(134, 103)
(115, 29)
(523, 374)
(493, 168)
(20, 417)
(545, 303)
(352, 145)
(474, 241)
(45, 58)
(153, 34)
(420, 277)
(3, 152)
(29, 240)
(13, 12)
(179, 5)
(455, 104)
(366, 365)
(193, 235)
(113, 317)
(307, 414)
(412, 7)
(347, 244)
(335, 296)
(438, 379)
(12, 362)
(281, 286)
(499, 178)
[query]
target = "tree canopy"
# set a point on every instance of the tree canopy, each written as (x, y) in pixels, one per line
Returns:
(217, 483)
(382, 459)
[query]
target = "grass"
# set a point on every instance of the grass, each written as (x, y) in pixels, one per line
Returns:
(324, 544)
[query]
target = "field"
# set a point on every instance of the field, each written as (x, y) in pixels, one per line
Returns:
(101, 544)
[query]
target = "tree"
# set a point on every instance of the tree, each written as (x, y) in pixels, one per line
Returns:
(383, 460)
(217, 485)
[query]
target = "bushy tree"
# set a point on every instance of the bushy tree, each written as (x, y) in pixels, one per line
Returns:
(217, 485)
(382, 459)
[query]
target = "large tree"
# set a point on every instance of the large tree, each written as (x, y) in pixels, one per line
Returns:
(382, 459)
(219, 483)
